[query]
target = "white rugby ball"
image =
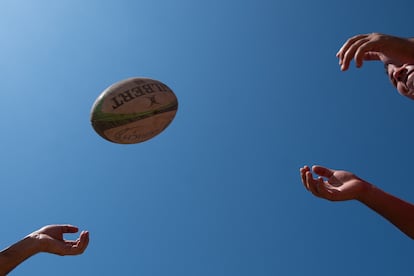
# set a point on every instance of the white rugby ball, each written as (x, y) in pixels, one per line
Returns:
(133, 110)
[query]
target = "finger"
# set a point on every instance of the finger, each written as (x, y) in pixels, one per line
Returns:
(311, 183)
(318, 187)
(84, 241)
(323, 171)
(366, 49)
(84, 235)
(72, 242)
(347, 45)
(324, 190)
(82, 244)
(303, 175)
(76, 247)
(69, 229)
(350, 54)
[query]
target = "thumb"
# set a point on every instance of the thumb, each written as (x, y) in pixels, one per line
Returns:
(69, 228)
(323, 171)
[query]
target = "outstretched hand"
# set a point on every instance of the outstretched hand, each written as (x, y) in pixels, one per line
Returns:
(333, 185)
(51, 240)
(48, 239)
(376, 46)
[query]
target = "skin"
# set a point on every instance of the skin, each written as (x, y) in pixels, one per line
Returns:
(339, 185)
(402, 77)
(397, 54)
(48, 239)
(376, 46)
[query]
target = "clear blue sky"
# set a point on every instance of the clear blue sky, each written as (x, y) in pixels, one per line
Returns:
(218, 192)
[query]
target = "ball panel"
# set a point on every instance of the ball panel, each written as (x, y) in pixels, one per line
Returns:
(139, 131)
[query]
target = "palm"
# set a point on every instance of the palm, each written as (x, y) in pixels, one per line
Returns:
(343, 185)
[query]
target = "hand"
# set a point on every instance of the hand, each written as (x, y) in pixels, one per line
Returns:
(338, 186)
(51, 240)
(375, 46)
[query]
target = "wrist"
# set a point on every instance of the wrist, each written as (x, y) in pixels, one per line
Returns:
(34, 243)
(366, 192)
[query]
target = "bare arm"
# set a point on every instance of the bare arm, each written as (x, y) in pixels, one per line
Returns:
(337, 185)
(48, 239)
(16, 254)
(397, 211)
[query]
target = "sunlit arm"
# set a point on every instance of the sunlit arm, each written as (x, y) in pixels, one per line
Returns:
(17, 253)
(397, 211)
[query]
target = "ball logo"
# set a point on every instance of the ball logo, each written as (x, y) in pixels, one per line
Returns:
(137, 91)
(133, 110)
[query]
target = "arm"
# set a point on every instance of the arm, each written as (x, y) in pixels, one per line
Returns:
(376, 46)
(398, 212)
(337, 185)
(16, 254)
(48, 239)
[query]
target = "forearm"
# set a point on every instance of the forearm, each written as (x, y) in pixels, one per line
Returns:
(397, 211)
(17, 253)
